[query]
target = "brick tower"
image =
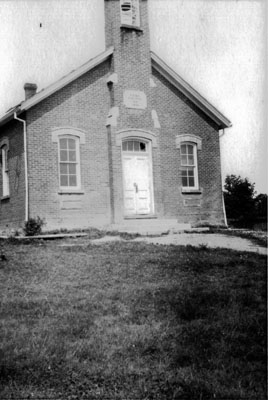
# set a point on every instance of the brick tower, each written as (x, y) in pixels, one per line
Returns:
(130, 85)
(128, 33)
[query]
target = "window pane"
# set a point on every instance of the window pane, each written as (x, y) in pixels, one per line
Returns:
(63, 155)
(63, 144)
(72, 169)
(190, 160)
(190, 149)
(136, 146)
(189, 163)
(68, 162)
(63, 169)
(184, 181)
(130, 145)
(142, 146)
(4, 158)
(64, 180)
(184, 160)
(191, 181)
(72, 180)
(190, 172)
(72, 155)
(183, 149)
(71, 144)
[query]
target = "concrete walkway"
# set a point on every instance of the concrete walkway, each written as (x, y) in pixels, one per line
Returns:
(212, 240)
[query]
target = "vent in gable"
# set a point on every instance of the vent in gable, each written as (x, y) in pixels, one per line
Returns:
(126, 7)
(130, 13)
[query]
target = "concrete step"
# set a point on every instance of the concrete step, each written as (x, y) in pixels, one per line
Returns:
(150, 226)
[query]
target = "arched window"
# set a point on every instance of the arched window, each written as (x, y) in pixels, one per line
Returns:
(4, 167)
(189, 173)
(135, 146)
(69, 162)
(69, 140)
(189, 145)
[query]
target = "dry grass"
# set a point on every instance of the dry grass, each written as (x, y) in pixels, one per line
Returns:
(131, 321)
(258, 237)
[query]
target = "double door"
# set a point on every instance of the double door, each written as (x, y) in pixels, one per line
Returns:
(137, 179)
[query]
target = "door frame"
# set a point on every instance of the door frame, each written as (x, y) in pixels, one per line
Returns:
(150, 173)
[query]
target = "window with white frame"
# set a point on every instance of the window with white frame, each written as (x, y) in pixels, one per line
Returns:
(189, 146)
(69, 162)
(5, 175)
(68, 140)
(189, 172)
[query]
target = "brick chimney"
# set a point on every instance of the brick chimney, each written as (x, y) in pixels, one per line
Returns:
(30, 90)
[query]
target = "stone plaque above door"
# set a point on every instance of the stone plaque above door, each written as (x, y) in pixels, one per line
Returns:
(135, 99)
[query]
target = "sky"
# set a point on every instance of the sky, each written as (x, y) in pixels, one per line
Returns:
(217, 46)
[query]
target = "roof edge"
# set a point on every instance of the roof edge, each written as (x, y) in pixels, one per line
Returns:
(159, 65)
(67, 79)
(54, 87)
(8, 116)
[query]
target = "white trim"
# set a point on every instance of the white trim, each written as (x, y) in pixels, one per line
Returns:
(188, 138)
(131, 17)
(79, 136)
(77, 163)
(136, 134)
(148, 155)
(152, 83)
(67, 130)
(113, 78)
(44, 93)
(4, 146)
(25, 165)
(155, 119)
(4, 141)
(184, 87)
(195, 168)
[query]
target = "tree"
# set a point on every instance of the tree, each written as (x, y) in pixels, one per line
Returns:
(239, 200)
(261, 205)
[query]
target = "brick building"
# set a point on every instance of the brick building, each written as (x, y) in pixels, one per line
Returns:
(122, 137)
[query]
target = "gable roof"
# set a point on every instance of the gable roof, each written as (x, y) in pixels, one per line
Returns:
(196, 98)
(44, 93)
(158, 64)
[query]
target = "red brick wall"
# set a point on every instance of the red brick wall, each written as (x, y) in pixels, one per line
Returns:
(178, 116)
(132, 63)
(12, 209)
(83, 104)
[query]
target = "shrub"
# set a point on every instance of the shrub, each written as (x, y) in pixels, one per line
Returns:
(239, 201)
(33, 226)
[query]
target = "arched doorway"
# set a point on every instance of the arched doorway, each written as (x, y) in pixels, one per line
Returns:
(137, 177)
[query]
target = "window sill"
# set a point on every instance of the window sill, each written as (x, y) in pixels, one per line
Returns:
(140, 216)
(5, 197)
(135, 28)
(191, 191)
(68, 191)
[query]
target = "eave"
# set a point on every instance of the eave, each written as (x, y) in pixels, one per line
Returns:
(43, 94)
(172, 77)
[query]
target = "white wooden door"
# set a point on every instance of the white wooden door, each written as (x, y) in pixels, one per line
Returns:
(137, 184)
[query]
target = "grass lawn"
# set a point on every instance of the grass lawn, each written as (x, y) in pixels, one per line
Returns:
(130, 321)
